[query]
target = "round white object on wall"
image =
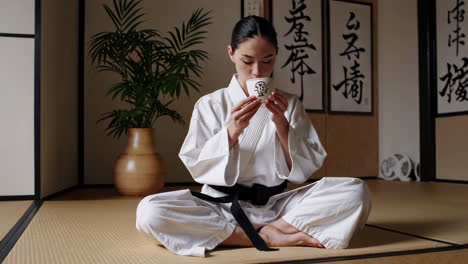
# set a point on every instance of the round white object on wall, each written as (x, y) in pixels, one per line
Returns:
(404, 166)
(416, 172)
(399, 166)
(388, 168)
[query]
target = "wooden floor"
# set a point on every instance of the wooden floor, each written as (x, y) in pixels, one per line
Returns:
(409, 223)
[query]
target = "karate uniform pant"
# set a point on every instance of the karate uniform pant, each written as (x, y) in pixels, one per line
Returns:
(330, 210)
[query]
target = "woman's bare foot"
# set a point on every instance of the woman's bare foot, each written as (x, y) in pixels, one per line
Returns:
(275, 238)
(277, 234)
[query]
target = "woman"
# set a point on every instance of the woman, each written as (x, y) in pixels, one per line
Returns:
(244, 150)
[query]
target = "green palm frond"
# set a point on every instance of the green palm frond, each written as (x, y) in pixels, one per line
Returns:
(190, 33)
(151, 67)
(125, 15)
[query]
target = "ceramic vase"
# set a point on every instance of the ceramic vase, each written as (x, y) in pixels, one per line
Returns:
(139, 170)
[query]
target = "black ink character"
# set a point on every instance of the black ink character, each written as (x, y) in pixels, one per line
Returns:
(458, 13)
(455, 79)
(352, 84)
(298, 50)
(352, 38)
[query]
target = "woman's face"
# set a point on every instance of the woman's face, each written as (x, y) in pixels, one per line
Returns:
(254, 58)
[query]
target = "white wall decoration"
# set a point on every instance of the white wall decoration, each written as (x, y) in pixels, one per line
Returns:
(452, 57)
(298, 68)
(351, 70)
(252, 8)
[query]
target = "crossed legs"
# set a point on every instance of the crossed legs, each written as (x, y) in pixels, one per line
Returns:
(276, 234)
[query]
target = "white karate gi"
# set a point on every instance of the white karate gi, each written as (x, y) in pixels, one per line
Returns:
(329, 210)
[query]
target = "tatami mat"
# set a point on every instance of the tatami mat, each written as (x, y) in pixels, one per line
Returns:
(445, 257)
(10, 213)
(103, 231)
(430, 209)
(98, 226)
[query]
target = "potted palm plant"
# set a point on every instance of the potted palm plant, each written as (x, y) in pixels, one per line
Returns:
(154, 71)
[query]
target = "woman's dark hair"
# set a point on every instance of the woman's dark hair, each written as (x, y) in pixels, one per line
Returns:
(252, 26)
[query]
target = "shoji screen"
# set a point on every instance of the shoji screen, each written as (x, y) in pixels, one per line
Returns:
(17, 90)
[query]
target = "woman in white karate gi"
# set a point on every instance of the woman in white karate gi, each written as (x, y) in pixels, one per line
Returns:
(236, 140)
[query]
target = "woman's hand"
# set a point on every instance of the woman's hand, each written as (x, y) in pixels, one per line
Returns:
(240, 117)
(277, 105)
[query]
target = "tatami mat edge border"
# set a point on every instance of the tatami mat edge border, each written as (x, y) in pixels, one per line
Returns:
(12, 237)
(374, 255)
(413, 235)
(450, 181)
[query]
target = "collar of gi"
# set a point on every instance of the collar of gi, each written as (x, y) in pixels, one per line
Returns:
(236, 92)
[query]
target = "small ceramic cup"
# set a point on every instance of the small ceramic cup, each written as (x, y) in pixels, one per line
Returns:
(260, 87)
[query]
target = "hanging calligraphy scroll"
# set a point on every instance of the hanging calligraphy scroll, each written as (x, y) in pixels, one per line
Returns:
(298, 67)
(252, 8)
(350, 87)
(452, 57)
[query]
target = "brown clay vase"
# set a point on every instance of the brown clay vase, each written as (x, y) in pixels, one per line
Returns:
(139, 170)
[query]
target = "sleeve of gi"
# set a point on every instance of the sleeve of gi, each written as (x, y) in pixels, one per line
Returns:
(205, 151)
(306, 151)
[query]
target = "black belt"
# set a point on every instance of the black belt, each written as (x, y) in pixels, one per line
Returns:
(257, 195)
